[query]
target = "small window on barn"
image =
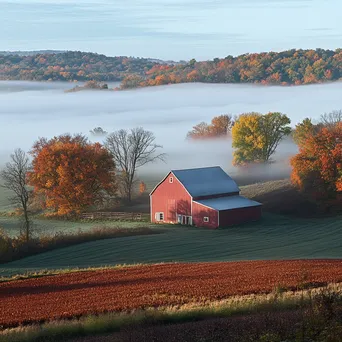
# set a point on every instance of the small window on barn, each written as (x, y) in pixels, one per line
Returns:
(206, 219)
(159, 216)
(171, 179)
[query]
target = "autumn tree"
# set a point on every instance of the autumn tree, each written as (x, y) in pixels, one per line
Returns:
(220, 127)
(200, 131)
(72, 173)
(317, 168)
(256, 136)
(302, 130)
(132, 149)
(15, 178)
(142, 187)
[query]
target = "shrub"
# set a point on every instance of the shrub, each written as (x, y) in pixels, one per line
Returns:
(5, 244)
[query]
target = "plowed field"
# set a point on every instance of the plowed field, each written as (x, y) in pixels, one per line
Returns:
(77, 294)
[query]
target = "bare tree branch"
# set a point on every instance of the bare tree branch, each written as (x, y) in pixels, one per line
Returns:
(331, 119)
(15, 179)
(132, 150)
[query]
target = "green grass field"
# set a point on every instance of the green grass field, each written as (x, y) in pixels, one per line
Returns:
(275, 237)
(5, 204)
(11, 225)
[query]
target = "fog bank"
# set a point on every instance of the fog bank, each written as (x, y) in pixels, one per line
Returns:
(30, 110)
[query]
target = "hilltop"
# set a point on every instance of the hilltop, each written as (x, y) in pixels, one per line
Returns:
(292, 67)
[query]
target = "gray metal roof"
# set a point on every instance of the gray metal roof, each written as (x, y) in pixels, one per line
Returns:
(229, 202)
(206, 181)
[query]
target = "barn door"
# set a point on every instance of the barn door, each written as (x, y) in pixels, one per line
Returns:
(185, 220)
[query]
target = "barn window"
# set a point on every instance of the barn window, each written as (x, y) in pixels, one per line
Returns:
(171, 179)
(206, 219)
(159, 216)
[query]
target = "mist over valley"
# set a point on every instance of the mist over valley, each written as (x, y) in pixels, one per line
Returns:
(30, 110)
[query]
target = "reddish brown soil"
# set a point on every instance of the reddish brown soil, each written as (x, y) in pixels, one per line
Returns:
(76, 294)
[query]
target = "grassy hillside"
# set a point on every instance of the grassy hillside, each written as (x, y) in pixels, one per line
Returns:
(11, 225)
(5, 204)
(275, 237)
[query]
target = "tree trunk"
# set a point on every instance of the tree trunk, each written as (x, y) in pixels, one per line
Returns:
(27, 224)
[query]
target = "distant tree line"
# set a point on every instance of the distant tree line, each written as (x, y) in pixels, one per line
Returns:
(71, 66)
(292, 67)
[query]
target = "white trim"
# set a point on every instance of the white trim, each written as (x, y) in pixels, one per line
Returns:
(159, 183)
(158, 215)
(206, 219)
(206, 206)
(151, 208)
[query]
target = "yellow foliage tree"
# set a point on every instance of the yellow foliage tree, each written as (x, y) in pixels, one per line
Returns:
(256, 136)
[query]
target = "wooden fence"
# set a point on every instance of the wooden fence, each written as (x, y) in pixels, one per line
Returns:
(115, 216)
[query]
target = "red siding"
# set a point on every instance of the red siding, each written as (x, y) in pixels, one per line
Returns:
(238, 216)
(199, 211)
(171, 199)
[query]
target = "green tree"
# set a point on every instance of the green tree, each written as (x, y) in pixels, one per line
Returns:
(302, 130)
(256, 136)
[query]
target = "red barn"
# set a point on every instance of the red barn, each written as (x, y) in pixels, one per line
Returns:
(204, 197)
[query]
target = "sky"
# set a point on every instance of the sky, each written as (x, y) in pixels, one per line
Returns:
(170, 29)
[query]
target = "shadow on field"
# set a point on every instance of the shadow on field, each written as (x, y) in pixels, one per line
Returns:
(287, 201)
(234, 329)
(39, 289)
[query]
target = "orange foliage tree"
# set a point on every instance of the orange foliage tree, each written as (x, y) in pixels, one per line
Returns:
(317, 168)
(220, 127)
(142, 187)
(72, 173)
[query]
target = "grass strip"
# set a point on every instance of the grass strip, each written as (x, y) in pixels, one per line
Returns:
(46, 273)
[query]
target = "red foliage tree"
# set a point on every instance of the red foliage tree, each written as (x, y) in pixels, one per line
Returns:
(72, 173)
(317, 168)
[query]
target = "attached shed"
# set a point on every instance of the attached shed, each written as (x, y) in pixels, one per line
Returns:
(204, 197)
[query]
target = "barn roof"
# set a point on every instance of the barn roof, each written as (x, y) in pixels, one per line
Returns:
(206, 181)
(229, 202)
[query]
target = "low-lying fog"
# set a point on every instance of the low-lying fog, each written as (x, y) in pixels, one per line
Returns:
(29, 110)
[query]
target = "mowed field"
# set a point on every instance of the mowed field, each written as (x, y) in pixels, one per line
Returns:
(274, 237)
(11, 226)
(75, 294)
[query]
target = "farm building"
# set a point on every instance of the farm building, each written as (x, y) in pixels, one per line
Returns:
(203, 197)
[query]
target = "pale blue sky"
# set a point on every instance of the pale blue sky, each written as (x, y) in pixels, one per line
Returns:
(170, 29)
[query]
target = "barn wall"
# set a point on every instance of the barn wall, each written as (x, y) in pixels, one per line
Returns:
(171, 199)
(199, 211)
(238, 216)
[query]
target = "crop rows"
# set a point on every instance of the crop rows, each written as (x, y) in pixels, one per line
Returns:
(76, 294)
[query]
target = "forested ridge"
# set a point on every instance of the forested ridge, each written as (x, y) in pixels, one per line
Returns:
(71, 66)
(292, 67)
